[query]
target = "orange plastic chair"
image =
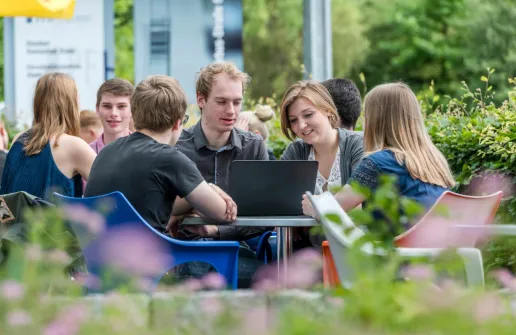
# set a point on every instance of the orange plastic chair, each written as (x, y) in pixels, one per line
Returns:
(436, 228)
(330, 275)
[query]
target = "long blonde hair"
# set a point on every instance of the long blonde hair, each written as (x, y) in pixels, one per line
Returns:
(257, 119)
(317, 94)
(56, 111)
(393, 120)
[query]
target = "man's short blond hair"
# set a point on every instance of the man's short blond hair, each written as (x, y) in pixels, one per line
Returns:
(158, 102)
(207, 74)
(90, 119)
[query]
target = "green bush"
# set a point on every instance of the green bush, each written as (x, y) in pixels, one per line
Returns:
(478, 138)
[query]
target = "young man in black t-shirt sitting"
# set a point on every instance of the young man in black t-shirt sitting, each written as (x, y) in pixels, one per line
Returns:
(148, 170)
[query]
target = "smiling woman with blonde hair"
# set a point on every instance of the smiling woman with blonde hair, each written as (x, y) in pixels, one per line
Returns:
(309, 118)
(396, 143)
(49, 155)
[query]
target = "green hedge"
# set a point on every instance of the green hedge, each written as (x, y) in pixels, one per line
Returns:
(478, 138)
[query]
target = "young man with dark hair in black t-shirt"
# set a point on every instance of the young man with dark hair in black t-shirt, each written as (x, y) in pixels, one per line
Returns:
(149, 171)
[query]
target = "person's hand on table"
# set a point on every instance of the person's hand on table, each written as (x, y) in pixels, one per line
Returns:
(231, 207)
(307, 207)
(173, 224)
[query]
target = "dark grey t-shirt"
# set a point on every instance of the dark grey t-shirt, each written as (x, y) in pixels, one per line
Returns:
(148, 173)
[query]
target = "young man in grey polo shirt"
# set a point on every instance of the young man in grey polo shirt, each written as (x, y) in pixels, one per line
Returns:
(214, 142)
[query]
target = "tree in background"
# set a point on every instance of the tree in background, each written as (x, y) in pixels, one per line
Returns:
(1, 59)
(124, 39)
(413, 41)
(417, 41)
(273, 45)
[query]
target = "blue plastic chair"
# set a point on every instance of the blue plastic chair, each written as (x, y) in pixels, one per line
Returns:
(264, 246)
(260, 246)
(119, 213)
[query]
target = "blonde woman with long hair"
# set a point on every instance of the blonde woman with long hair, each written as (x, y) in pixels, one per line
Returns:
(49, 155)
(396, 143)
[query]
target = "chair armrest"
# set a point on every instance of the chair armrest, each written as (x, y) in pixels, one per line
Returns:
(471, 257)
(492, 229)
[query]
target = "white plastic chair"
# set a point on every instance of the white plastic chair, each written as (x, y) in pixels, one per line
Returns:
(342, 237)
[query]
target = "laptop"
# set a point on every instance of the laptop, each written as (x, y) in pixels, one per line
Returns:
(271, 188)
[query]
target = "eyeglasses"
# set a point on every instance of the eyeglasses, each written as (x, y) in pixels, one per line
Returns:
(185, 119)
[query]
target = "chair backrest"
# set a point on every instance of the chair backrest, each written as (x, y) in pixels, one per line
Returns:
(341, 233)
(122, 223)
(436, 228)
(114, 207)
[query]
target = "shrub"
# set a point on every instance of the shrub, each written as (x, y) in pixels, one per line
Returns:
(479, 140)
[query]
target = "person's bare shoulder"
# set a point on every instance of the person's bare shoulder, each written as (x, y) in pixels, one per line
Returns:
(73, 144)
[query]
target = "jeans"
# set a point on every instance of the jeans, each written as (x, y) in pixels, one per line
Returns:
(248, 264)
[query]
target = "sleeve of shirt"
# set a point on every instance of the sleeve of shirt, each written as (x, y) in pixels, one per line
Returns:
(290, 153)
(357, 151)
(178, 171)
(366, 174)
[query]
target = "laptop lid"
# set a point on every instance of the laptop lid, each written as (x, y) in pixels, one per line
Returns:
(271, 188)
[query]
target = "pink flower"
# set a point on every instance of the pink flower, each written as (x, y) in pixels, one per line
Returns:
(257, 321)
(335, 302)
(18, 318)
(489, 183)
(82, 215)
(68, 321)
(58, 256)
(11, 290)
(303, 271)
(136, 251)
(33, 252)
(214, 280)
(191, 285)
(506, 279)
(212, 306)
(419, 272)
(87, 280)
(488, 308)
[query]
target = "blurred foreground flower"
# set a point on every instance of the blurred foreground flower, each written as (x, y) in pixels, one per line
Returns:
(11, 290)
(419, 272)
(134, 251)
(489, 183)
(506, 279)
(215, 281)
(58, 256)
(258, 321)
(488, 307)
(33, 252)
(212, 306)
(304, 271)
(93, 221)
(69, 321)
(18, 318)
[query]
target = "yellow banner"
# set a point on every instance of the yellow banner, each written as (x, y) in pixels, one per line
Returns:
(59, 9)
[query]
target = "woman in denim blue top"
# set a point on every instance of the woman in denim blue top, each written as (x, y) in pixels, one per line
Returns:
(396, 143)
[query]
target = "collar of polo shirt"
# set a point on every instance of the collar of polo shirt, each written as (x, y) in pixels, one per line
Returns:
(201, 141)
